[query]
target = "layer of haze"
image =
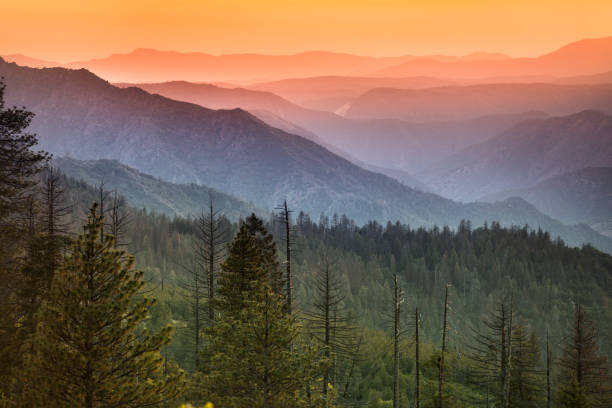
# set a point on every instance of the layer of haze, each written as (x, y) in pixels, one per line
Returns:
(68, 30)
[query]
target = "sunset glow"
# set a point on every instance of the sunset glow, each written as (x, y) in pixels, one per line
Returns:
(70, 30)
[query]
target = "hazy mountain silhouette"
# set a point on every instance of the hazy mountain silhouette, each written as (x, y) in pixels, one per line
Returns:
(82, 116)
(387, 144)
(603, 78)
(525, 154)
(331, 93)
(583, 57)
(464, 102)
(29, 61)
(149, 65)
(581, 196)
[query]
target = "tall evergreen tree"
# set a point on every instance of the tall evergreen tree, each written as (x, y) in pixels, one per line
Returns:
(491, 354)
(47, 240)
(331, 325)
(252, 362)
(211, 239)
(208, 248)
(289, 230)
(526, 377)
(119, 219)
(19, 164)
(441, 360)
(91, 349)
(265, 241)
(417, 359)
(398, 299)
(54, 212)
(585, 380)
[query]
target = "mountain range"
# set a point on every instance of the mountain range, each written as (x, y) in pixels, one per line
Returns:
(585, 57)
(466, 102)
(85, 117)
(389, 144)
(331, 93)
(580, 196)
(527, 153)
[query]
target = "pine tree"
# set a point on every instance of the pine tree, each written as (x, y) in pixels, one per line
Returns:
(211, 236)
(91, 349)
(441, 360)
(585, 378)
(548, 372)
(417, 359)
(330, 324)
(208, 248)
(526, 381)
(119, 219)
(252, 362)
(398, 299)
(491, 354)
(266, 244)
(19, 164)
(289, 230)
(244, 269)
(54, 223)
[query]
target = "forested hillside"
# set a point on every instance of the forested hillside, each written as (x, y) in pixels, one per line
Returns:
(483, 267)
(144, 191)
(105, 304)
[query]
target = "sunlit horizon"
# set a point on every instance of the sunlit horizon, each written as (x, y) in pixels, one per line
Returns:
(68, 31)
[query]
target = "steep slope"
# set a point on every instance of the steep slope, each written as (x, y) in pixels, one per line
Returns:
(383, 143)
(232, 151)
(144, 191)
(464, 102)
(524, 155)
(583, 57)
(581, 196)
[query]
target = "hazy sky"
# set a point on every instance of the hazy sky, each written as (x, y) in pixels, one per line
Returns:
(66, 30)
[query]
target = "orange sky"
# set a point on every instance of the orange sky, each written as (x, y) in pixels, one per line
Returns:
(65, 30)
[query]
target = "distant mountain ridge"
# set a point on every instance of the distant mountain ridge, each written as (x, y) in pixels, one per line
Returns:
(331, 93)
(466, 102)
(584, 57)
(142, 65)
(580, 196)
(81, 115)
(525, 154)
(155, 65)
(384, 143)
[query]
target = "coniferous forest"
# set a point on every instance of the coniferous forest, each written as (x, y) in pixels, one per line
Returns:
(107, 305)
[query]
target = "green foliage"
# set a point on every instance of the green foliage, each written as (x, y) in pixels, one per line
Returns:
(585, 380)
(527, 381)
(255, 357)
(19, 165)
(89, 349)
(572, 395)
(482, 264)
